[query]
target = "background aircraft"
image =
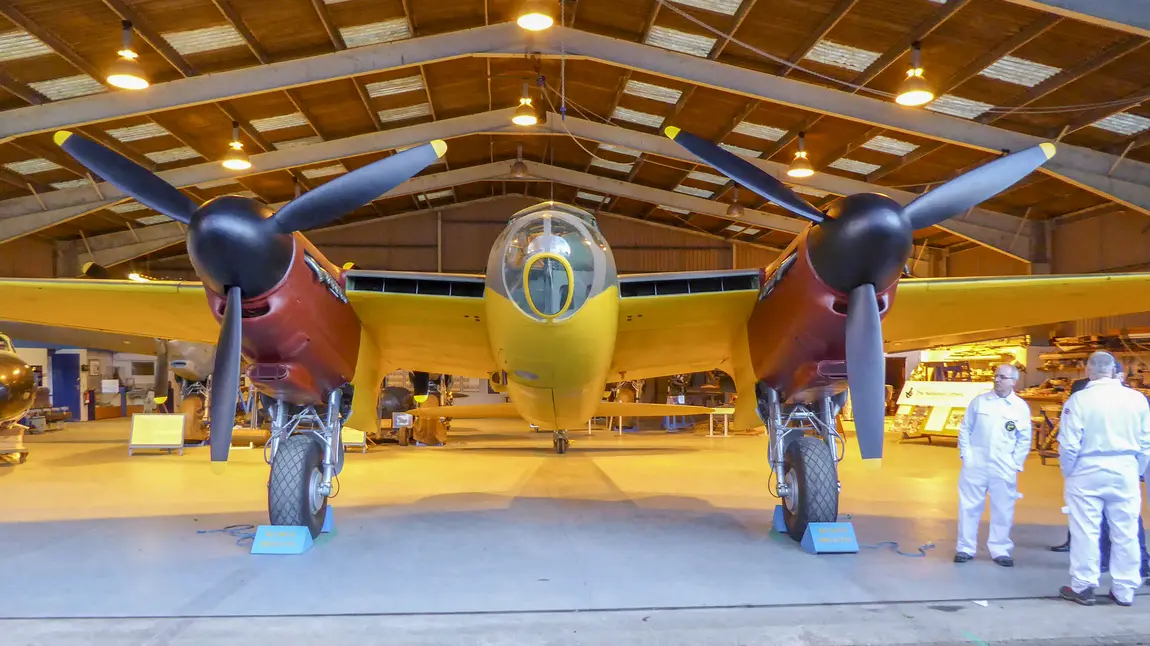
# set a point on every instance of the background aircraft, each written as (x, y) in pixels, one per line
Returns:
(17, 394)
(553, 321)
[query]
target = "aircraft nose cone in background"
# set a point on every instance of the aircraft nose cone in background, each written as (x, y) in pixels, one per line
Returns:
(865, 240)
(232, 243)
(17, 387)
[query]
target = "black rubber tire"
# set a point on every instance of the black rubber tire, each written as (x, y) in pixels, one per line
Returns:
(288, 484)
(561, 445)
(404, 436)
(818, 500)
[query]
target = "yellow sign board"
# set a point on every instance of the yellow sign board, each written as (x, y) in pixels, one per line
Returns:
(157, 431)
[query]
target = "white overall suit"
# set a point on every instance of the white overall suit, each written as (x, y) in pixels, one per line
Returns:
(993, 442)
(1104, 445)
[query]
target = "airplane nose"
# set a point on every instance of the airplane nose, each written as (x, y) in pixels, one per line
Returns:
(232, 244)
(17, 388)
(866, 242)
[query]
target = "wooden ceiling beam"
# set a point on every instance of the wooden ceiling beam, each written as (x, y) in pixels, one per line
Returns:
(52, 41)
(1068, 76)
(736, 22)
(1132, 100)
(237, 21)
(54, 155)
(20, 90)
(839, 11)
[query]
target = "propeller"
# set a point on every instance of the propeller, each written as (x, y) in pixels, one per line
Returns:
(745, 173)
(864, 249)
(238, 247)
(974, 187)
(226, 378)
(866, 369)
(160, 381)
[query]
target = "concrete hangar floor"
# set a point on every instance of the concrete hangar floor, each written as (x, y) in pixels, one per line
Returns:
(641, 538)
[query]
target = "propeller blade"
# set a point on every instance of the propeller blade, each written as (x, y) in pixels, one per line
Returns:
(128, 176)
(745, 173)
(348, 192)
(226, 379)
(160, 384)
(93, 270)
(974, 187)
(866, 369)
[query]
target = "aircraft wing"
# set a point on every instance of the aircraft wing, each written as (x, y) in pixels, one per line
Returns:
(164, 309)
(606, 409)
(427, 322)
(681, 322)
(929, 309)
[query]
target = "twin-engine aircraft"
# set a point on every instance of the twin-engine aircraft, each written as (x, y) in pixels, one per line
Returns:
(553, 320)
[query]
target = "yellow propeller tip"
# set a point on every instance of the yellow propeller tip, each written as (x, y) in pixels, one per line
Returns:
(872, 464)
(671, 131)
(160, 400)
(218, 468)
(61, 136)
(1049, 149)
(440, 147)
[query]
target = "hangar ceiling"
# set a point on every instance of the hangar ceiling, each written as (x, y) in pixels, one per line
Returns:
(320, 87)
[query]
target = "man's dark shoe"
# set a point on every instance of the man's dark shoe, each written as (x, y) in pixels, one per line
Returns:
(962, 557)
(1086, 597)
(1004, 561)
(1065, 547)
(1115, 600)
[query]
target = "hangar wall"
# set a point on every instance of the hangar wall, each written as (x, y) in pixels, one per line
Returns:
(981, 261)
(28, 258)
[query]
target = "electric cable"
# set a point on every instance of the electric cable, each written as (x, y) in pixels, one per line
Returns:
(240, 532)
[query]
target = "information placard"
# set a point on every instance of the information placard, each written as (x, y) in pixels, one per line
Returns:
(163, 431)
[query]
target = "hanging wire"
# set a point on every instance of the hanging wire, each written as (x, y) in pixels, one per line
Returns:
(1058, 109)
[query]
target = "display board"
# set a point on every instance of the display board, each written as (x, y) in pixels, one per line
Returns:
(157, 431)
(935, 407)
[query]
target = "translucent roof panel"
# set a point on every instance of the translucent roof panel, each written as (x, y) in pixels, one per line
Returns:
(1123, 123)
(1019, 71)
(395, 86)
(680, 41)
(770, 133)
(634, 116)
(651, 91)
(207, 39)
(957, 106)
(375, 32)
(845, 56)
(854, 166)
(888, 145)
(15, 45)
(279, 122)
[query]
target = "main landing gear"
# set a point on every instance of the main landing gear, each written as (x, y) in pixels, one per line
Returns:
(560, 442)
(306, 454)
(804, 456)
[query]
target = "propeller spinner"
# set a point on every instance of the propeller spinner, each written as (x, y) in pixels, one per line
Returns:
(239, 247)
(863, 249)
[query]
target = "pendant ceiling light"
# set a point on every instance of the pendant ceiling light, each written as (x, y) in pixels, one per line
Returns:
(801, 166)
(913, 90)
(525, 113)
(536, 15)
(518, 168)
(126, 72)
(236, 158)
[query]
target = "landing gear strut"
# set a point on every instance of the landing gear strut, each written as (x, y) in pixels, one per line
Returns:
(560, 442)
(306, 453)
(804, 457)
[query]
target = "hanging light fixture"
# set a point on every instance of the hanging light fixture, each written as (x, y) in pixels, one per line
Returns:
(801, 166)
(236, 158)
(914, 89)
(525, 113)
(127, 72)
(735, 210)
(519, 169)
(536, 15)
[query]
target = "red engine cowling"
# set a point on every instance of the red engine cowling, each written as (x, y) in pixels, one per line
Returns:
(797, 333)
(300, 338)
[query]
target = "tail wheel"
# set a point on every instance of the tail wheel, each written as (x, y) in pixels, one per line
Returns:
(293, 489)
(812, 482)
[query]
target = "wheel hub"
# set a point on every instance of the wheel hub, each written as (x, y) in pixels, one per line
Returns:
(313, 490)
(791, 499)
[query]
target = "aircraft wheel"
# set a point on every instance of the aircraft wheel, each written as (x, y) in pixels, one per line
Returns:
(561, 445)
(293, 489)
(404, 436)
(810, 475)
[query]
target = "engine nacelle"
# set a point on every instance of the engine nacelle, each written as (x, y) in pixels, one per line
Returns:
(498, 381)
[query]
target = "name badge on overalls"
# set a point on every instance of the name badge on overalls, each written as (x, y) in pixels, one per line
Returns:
(1010, 427)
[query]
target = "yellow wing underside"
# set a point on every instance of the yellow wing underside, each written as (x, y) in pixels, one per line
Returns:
(605, 409)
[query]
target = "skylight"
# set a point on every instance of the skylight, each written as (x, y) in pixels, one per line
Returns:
(1019, 71)
(395, 86)
(807, 190)
(435, 195)
(31, 166)
(68, 87)
(375, 32)
(957, 106)
(888, 145)
(127, 207)
(651, 91)
(72, 183)
(710, 178)
(1123, 123)
(296, 143)
(673, 209)
(691, 190)
(854, 166)
(324, 171)
(634, 116)
(15, 45)
(279, 122)
(622, 150)
(726, 7)
(735, 227)
(757, 131)
(680, 41)
(152, 219)
(403, 114)
(591, 196)
(172, 154)
(616, 166)
(832, 53)
(227, 181)
(751, 231)
(207, 39)
(135, 133)
(739, 150)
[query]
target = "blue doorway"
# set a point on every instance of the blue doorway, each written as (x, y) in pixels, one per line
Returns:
(66, 382)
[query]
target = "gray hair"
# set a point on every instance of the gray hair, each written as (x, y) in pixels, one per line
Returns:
(1013, 368)
(1101, 365)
